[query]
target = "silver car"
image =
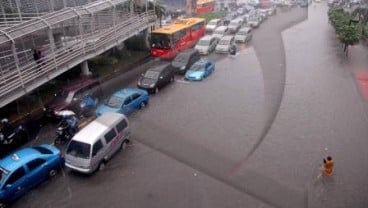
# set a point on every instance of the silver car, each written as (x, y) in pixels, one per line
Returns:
(206, 45)
(224, 44)
(253, 22)
(235, 25)
(213, 24)
(244, 35)
(220, 32)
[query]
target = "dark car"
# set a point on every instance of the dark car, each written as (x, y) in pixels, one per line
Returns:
(184, 60)
(156, 77)
(69, 97)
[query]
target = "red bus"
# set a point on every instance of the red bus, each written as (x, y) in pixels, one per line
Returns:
(205, 6)
(168, 40)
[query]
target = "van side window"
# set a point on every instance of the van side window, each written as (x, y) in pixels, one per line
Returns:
(121, 125)
(110, 135)
(96, 147)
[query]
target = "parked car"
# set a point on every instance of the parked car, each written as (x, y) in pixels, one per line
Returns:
(235, 25)
(253, 22)
(124, 101)
(26, 168)
(70, 96)
(184, 60)
(271, 11)
(97, 142)
(156, 77)
(244, 35)
(206, 44)
(229, 17)
(200, 70)
(263, 13)
(224, 44)
(213, 24)
(220, 32)
(240, 11)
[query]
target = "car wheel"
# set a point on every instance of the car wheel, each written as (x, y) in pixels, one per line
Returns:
(142, 105)
(52, 173)
(156, 90)
(101, 166)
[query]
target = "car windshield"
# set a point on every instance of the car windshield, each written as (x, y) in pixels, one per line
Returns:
(224, 42)
(151, 74)
(79, 149)
(197, 67)
(203, 42)
(242, 33)
(114, 102)
(181, 58)
(219, 32)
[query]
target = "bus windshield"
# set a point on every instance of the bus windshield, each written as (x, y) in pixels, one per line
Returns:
(161, 41)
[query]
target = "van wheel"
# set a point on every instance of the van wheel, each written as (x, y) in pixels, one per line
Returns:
(52, 173)
(123, 145)
(101, 166)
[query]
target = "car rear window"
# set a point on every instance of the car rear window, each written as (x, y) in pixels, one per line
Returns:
(79, 149)
(42, 150)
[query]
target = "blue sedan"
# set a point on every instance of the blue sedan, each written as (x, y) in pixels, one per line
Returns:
(200, 70)
(26, 168)
(124, 101)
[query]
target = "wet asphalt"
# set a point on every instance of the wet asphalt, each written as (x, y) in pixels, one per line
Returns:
(250, 135)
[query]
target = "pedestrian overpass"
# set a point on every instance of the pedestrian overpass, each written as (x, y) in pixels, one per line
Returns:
(67, 37)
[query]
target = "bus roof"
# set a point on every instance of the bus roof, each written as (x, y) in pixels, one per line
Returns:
(204, 1)
(178, 25)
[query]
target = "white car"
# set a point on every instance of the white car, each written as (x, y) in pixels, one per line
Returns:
(253, 22)
(220, 32)
(240, 11)
(224, 44)
(206, 44)
(213, 24)
(235, 25)
(244, 35)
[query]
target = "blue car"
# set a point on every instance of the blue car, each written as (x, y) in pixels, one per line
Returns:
(124, 101)
(200, 70)
(24, 169)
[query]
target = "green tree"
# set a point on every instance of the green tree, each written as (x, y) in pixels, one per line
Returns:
(348, 35)
(346, 29)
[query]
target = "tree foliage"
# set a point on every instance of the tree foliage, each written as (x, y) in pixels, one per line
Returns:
(345, 26)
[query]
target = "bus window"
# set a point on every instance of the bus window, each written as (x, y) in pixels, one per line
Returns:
(161, 41)
(178, 35)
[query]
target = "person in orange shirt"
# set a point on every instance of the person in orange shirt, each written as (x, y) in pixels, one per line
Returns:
(328, 166)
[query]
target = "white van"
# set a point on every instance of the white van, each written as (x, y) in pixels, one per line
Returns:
(96, 143)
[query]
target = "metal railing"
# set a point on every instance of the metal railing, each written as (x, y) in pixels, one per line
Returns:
(11, 19)
(66, 54)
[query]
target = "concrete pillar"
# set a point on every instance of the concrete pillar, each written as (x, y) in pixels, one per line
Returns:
(85, 68)
(131, 5)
